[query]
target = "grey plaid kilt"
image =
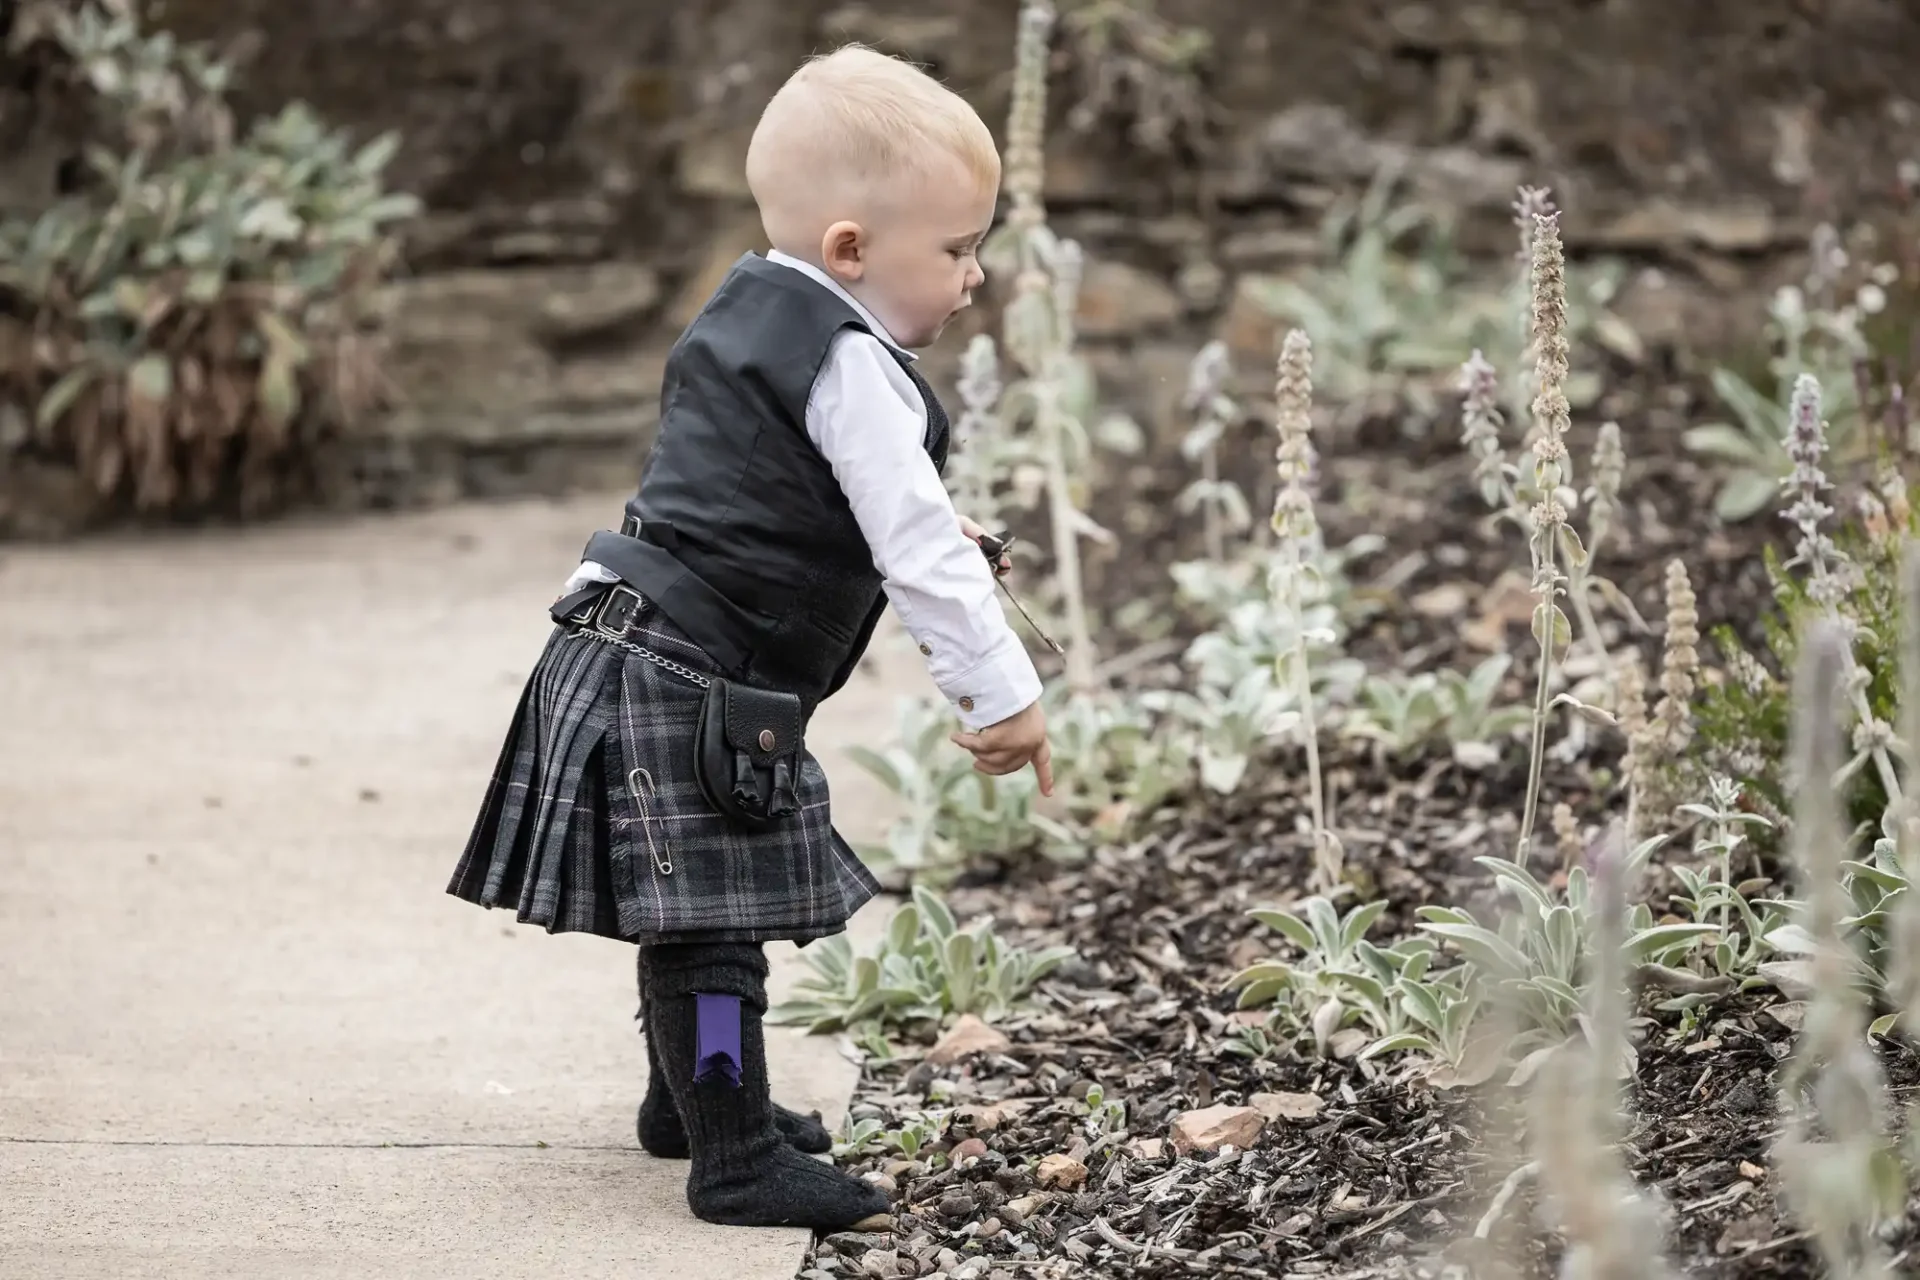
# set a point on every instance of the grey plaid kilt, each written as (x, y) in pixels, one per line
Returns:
(561, 837)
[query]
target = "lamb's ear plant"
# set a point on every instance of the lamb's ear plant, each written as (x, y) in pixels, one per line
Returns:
(1903, 927)
(1297, 535)
(1222, 506)
(1612, 1229)
(1054, 398)
(1841, 1176)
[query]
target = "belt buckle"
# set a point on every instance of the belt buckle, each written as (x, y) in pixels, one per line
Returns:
(621, 617)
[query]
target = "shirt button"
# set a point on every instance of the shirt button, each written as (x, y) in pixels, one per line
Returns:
(927, 649)
(966, 704)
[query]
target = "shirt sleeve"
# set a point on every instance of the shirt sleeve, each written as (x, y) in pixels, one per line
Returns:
(861, 419)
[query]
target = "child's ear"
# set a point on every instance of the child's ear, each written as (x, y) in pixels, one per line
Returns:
(843, 250)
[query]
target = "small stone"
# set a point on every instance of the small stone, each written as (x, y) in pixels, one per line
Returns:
(990, 1228)
(886, 1185)
(1147, 1149)
(897, 1169)
(1018, 1211)
(1061, 1173)
(969, 1036)
(1752, 1172)
(946, 1260)
(1791, 1014)
(885, 1264)
(1011, 1179)
(1286, 1106)
(1212, 1128)
(1448, 600)
(987, 1117)
(956, 1204)
(971, 1149)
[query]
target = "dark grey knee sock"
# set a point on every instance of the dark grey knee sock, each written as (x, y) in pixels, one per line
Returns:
(743, 1173)
(658, 1127)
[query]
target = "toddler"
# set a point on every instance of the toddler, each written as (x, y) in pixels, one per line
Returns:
(654, 785)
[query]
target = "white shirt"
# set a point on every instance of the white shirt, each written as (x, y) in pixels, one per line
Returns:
(869, 422)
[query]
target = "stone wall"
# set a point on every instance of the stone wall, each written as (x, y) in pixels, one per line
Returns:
(582, 161)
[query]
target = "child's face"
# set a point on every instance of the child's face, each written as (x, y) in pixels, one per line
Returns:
(916, 265)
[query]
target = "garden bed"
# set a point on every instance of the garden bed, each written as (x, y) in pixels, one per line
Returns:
(1360, 1168)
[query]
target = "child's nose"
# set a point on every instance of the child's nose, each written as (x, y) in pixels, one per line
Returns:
(976, 275)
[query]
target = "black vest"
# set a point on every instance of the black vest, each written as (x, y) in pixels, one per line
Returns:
(744, 537)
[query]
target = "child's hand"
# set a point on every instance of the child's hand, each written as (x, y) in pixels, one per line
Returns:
(1011, 745)
(974, 532)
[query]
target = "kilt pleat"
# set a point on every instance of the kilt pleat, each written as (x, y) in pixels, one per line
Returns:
(534, 846)
(564, 840)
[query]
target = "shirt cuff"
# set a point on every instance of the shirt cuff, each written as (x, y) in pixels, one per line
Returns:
(1000, 686)
(589, 571)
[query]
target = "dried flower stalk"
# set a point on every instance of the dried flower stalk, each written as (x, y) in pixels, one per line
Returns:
(1551, 534)
(1027, 122)
(1207, 403)
(1612, 1230)
(1673, 717)
(1830, 575)
(979, 436)
(1835, 1180)
(1297, 532)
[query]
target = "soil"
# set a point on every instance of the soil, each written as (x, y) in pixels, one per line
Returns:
(1392, 1174)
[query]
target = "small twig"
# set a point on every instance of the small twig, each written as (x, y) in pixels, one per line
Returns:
(1106, 1232)
(1504, 1196)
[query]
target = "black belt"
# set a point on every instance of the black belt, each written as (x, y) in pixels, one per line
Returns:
(605, 608)
(641, 554)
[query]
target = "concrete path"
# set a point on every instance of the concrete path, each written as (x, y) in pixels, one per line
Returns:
(243, 1029)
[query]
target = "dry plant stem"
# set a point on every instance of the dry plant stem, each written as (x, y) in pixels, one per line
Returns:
(1295, 526)
(1829, 1177)
(1549, 518)
(1210, 511)
(1610, 1229)
(1081, 662)
(1537, 755)
(1905, 929)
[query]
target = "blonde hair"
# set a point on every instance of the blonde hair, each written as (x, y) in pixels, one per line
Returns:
(856, 117)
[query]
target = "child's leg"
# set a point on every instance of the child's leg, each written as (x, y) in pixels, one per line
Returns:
(658, 1125)
(712, 1055)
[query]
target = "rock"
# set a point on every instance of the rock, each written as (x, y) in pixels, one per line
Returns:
(1249, 327)
(946, 1260)
(885, 1264)
(1448, 600)
(737, 235)
(885, 1183)
(968, 1036)
(990, 1228)
(1286, 1106)
(1264, 248)
(1117, 300)
(1147, 1148)
(1733, 227)
(1791, 1014)
(473, 360)
(1018, 1211)
(956, 1204)
(1061, 1173)
(609, 295)
(971, 1149)
(920, 36)
(714, 164)
(1211, 1128)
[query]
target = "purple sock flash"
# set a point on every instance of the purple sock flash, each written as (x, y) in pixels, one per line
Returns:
(717, 1037)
